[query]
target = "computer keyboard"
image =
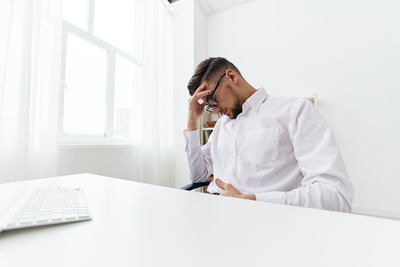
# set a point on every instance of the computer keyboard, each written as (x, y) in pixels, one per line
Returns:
(48, 205)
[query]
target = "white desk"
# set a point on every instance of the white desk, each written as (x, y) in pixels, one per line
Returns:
(143, 225)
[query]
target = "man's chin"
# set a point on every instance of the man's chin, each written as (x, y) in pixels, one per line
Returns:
(234, 113)
(232, 116)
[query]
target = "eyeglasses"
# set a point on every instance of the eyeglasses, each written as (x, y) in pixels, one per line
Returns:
(212, 102)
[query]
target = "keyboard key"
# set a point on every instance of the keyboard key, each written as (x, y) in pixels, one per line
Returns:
(27, 222)
(43, 217)
(28, 218)
(57, 216)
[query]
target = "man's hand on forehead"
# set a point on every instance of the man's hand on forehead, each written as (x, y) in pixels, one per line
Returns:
(197, 102)
(200, 95)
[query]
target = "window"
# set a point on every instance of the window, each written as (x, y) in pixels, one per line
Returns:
(120, 22)
(75, 11)
(101, 70)
(85, 96)
(127, 75)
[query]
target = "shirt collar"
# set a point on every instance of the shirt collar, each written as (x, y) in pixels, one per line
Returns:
(255, 100)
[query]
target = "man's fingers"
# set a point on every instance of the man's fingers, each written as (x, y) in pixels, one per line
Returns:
(229, 190)
(220, 183)
(202, 94)
(201, 91)
(200, 88)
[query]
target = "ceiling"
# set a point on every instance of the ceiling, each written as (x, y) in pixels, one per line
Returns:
(214, 6)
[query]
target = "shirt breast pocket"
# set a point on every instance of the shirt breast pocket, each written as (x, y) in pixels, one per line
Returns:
(261, 145)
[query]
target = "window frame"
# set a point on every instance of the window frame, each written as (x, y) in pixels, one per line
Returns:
(112, 51)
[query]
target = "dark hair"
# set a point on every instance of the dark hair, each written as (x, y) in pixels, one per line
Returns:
(209, 69)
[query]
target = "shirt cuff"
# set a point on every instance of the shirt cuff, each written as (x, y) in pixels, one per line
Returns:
(191, 139)
(272, 197)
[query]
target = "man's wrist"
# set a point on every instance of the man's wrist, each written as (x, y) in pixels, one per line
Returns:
(248, 196)
(191, 126)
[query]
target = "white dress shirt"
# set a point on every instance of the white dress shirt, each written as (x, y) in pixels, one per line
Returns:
(280, 149)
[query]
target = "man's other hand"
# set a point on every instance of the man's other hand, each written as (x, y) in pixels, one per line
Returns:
(231, 191)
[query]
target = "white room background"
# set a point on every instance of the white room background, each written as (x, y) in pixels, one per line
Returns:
(347, 52)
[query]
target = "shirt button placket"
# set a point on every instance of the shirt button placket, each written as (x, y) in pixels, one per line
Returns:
(234, 157)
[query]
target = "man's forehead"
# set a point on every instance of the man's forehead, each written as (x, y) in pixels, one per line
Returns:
(209, 84)
(205, 83)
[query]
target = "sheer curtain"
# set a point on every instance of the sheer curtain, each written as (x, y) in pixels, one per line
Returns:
(157, 147)
(30, 47)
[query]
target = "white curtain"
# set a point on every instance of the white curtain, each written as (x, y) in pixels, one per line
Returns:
(30, 47)
(157, 146)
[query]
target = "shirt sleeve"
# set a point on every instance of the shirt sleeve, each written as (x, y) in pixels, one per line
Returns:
(326, 184)
(199, 158)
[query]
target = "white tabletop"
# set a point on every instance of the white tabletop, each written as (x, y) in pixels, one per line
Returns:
(136, 224)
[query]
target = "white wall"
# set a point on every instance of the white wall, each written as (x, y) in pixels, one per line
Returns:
(200, 34)
(114, 161)
(191, 47)
(348, 52)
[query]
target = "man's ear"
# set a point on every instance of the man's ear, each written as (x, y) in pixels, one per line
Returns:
(232, 75)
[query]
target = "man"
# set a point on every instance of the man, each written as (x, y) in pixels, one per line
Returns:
(264, 147)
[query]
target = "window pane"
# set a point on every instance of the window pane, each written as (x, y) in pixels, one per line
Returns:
(120, 22)
(128, 84)
(85, 92)
(75, 12)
